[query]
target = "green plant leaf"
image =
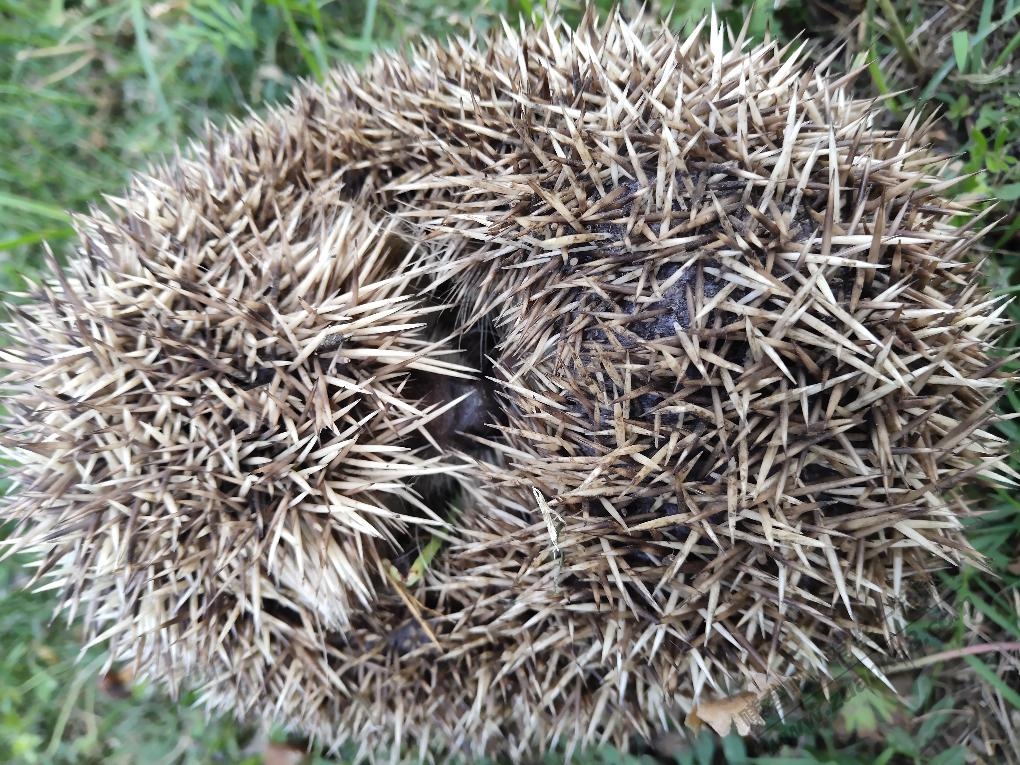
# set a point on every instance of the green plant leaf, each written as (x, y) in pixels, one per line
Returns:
(1008, 193)
(41, 209)
(961, 47)
(989, 676)
(864, 712)
(955, 755)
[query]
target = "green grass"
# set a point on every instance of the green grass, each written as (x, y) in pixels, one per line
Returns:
(91, 90)
(54, 710)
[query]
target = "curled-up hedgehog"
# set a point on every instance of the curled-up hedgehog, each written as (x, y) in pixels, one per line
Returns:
(513, 396)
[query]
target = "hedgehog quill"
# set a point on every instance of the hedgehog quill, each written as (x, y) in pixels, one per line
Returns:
(510, 398)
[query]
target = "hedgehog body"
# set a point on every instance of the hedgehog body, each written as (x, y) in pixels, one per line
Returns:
(697, 353)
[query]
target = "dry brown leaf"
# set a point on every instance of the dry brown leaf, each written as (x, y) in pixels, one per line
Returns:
(283, 754)
(741, 712)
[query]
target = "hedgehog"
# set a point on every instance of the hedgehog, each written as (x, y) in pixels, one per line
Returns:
(513, 395)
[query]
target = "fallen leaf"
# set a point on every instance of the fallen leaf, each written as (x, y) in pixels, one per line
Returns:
(741, 712)
(283, 754)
